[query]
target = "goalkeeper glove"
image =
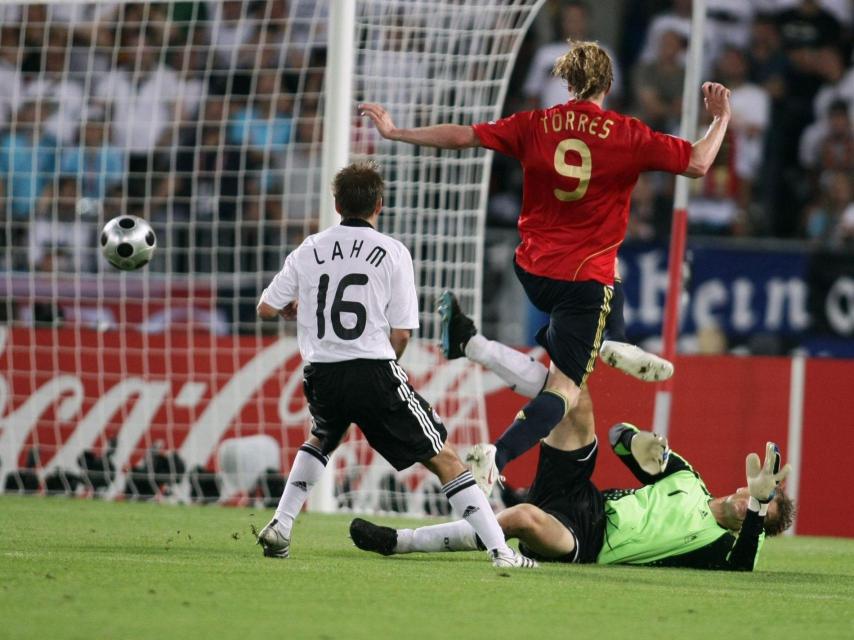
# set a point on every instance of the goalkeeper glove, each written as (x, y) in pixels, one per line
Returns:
(651, 452)
(762, 481)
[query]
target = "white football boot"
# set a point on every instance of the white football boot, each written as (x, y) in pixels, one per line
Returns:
(636, 362)
(275, 544)
(481, 459)
(512, 560)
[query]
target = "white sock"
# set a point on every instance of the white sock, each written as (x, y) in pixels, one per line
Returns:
(470, 502)
(525, 375)
(450, 536)
(306, 471)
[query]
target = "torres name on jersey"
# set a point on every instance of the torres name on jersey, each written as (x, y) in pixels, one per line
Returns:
(580, 165)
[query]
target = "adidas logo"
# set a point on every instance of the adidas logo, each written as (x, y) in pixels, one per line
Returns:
(299, 484)
(470, 511)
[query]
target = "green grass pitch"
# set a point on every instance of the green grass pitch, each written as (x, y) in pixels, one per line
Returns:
(88, 569)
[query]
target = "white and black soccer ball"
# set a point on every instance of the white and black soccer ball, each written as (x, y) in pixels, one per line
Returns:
(128, 242)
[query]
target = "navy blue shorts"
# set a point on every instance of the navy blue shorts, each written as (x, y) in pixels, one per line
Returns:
(577, 313)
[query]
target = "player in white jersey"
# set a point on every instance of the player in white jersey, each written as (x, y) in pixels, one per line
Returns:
(352, 290)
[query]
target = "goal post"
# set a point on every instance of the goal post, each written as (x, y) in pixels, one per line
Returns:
(679, 226)
(221, 123)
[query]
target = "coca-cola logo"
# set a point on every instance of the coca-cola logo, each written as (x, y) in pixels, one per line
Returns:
(190, 393)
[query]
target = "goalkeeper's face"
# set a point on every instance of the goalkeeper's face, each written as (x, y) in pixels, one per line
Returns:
(735, 509)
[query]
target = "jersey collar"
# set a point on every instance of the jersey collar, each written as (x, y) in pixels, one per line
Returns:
(356, 222)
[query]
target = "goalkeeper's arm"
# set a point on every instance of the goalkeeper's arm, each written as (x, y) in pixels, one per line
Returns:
(645, 454)
(762, 483)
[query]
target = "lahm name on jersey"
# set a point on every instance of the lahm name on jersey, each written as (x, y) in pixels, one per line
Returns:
(374, 257)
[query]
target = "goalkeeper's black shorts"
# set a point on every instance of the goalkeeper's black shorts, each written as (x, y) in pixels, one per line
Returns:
(562, 488)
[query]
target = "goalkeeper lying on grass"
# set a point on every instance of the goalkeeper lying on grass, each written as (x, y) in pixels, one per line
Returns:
(672, 521)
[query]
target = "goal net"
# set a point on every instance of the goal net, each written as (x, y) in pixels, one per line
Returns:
(206, 119)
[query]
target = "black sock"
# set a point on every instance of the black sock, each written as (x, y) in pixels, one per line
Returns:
(615, 325)
(535, 421)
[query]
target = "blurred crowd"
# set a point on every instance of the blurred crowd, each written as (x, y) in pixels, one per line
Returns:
(182, 113)
(203, 118)
(787, 165)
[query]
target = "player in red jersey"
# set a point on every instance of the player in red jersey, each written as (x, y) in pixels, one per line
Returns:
(580, 165)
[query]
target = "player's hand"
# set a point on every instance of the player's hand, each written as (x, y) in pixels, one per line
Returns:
(380, 117)
(289, 312)
(762, 480)
(716, 99)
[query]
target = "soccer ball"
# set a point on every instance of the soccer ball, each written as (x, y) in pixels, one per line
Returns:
(128, 242)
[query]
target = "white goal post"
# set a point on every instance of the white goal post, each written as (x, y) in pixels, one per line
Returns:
(221, 123)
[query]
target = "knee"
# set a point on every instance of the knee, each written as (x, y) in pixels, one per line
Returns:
(583, 410)
(564, 387)
(521, 520)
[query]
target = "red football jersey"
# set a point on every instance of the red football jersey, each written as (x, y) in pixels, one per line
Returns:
(580, 165)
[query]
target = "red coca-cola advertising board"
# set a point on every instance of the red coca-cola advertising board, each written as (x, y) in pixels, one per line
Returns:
(65, 391)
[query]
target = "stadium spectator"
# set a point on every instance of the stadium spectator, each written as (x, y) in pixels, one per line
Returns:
(677, 21)
(542, 88)
(825, 222)
(566, 266)
(230, 25)
(751, 113)
(208, 171)
(838, 83)
(767, 60)
(28, 158)
(262, 128)
(301, 181)
(671, 521)
(96, 161)
(827, 142)
(836, 150)
(59, 92)
(142, 96)
(657, 84)
(10, 74)
(807, 26)
(59, 235)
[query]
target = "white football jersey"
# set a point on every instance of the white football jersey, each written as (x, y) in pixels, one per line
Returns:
(354, 284)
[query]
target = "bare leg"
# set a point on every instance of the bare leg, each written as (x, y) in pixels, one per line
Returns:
(542, 533)
(578, 429)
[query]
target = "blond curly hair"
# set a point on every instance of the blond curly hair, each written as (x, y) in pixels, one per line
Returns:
(587, 69)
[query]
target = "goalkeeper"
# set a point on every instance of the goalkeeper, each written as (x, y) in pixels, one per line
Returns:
(671, 521)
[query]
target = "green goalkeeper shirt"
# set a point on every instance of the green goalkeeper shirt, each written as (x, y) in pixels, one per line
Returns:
(666, 519)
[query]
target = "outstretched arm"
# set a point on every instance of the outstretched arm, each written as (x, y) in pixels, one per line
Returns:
(443, 136)
(705, 150)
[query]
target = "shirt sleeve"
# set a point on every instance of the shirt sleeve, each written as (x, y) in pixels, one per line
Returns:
(403, 302)
(505, 135)
(284, 288)
(660, 151)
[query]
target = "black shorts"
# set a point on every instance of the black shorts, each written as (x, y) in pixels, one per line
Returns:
(375, 394)
(577, 313)
(562, 488)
